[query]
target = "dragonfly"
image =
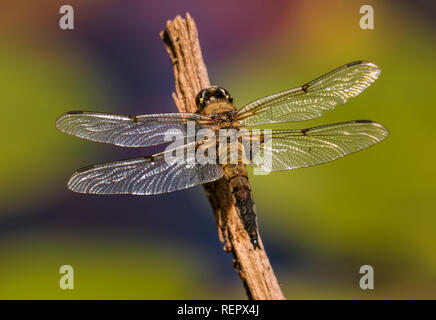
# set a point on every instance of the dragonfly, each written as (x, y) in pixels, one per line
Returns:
(287, 149)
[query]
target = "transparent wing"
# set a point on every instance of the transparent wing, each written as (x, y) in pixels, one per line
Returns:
(127, 130)
(291, 149)
(310, 100)
(146, 175)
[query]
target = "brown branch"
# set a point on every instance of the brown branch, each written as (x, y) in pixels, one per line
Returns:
(190, 74)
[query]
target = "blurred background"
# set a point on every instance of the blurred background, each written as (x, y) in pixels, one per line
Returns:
(319, 224)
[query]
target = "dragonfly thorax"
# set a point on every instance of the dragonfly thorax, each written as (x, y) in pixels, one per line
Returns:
(222, 113)
(225, 118)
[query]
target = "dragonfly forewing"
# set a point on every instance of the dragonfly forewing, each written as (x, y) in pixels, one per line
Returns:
(310, 100)
(131, 131)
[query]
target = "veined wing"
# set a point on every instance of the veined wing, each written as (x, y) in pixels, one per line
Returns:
(310, 100)
(127, 130)
(291, 149)
(148, 175)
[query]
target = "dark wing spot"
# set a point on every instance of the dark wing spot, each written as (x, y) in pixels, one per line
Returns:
(75, 112)
(86, 168)
(354, 63)
(262, 137)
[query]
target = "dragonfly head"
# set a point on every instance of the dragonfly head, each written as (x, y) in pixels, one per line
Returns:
(212, 94)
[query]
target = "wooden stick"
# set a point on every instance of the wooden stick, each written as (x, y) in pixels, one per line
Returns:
(190, 74)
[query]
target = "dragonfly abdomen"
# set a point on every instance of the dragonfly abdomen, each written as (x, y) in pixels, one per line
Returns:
(242, 197)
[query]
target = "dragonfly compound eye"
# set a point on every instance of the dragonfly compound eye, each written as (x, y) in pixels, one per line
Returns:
(212, 94)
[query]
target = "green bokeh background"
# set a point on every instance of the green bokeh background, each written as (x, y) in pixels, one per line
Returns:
(375, 207)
